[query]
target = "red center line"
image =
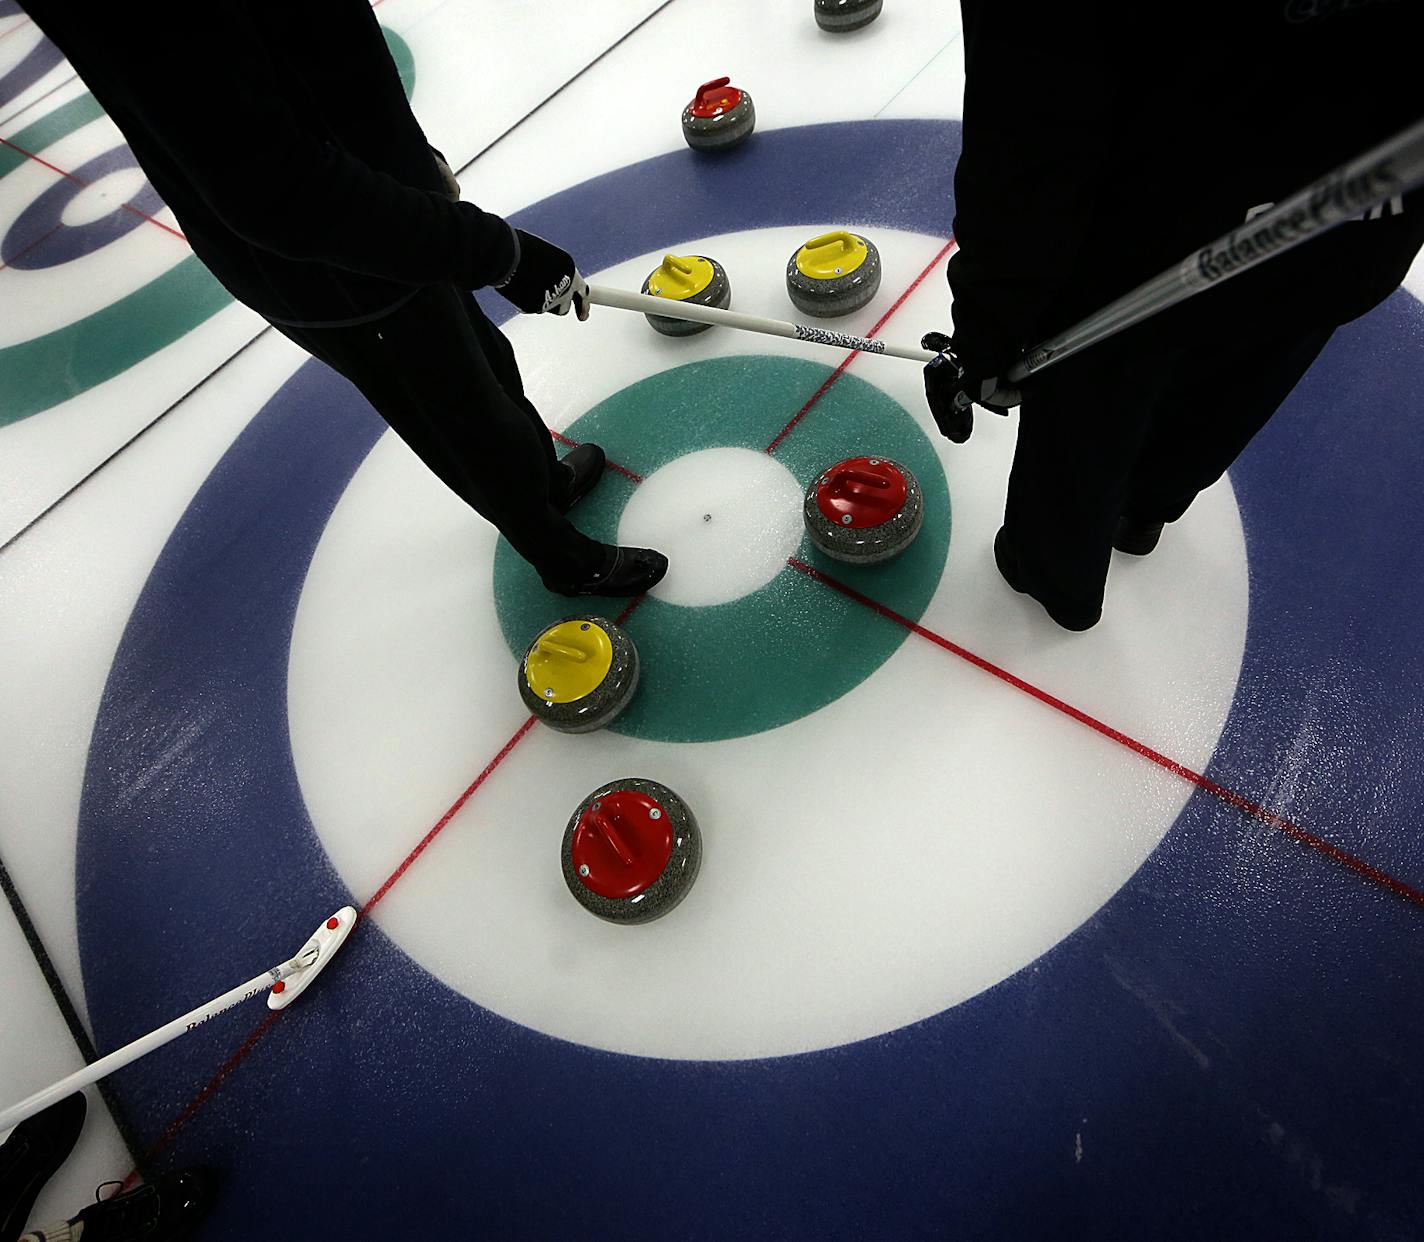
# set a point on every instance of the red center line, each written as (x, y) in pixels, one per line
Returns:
(255, 1036)
(216, 1081)
(854, 354)
(519, 735)
(1228, 796)
(143, 215)
(252, 1040)
(20, 254)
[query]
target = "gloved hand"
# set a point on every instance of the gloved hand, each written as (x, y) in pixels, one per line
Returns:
(952, 395)
(544, 279)
(452, 187)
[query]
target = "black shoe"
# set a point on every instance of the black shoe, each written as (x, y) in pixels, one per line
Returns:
(626, 571)
(577, 475)
(168, 1207)
(31, 1155)
(1009, 570)
(1136, 538)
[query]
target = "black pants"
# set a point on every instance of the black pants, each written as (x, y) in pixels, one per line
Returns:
(446, 381)
(1138, 426)
(1142, 422)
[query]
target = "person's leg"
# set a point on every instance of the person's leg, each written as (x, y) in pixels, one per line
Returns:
(424, 370)
(1081, 427)
(578, 472)
(1224, 397)
(505, 366)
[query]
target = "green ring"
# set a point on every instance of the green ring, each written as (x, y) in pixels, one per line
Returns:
(793, 646)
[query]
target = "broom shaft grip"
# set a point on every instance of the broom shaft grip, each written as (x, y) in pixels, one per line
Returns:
(670, 308)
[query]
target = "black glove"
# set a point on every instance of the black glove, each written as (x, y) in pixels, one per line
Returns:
(452, 187)
(952, 395)
(544, 278)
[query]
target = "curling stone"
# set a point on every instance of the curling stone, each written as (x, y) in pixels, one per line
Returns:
(864, 510)
(833, 274)
(631, 851)
(839, 16)
(579, 674)
(694, 278)
(719, 117)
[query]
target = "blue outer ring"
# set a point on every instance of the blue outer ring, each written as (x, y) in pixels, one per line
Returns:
(18, 246)
(1230, 1037)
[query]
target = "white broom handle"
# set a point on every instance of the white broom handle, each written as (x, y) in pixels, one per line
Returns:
(141, 1047)
(670, 308)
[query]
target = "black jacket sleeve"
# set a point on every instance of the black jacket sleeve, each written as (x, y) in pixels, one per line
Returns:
(1036, 95)
(280, 187)
(221, 112)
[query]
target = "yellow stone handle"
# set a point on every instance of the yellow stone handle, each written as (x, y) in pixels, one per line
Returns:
(679, 276)
(547, 647)
(847, 241)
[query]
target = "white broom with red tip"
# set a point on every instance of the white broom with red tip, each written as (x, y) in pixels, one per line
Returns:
(283, 984)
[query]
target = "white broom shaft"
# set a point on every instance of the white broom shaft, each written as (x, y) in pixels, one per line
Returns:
(670, 308)
(141, 1047)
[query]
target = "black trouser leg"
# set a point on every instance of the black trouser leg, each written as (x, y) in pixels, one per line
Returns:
(440, 375)
(500, 354)
(1081, 427)
(1207, 418)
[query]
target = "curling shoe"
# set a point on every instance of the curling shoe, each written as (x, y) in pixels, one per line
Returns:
(167, 1208)
(31, 1156)
(577, 475)
(625, 571)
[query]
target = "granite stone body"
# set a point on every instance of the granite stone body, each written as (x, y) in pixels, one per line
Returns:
(604, 703)
(677, 877)
(840, 16)
(835, 295)
(718, 293)
(866, 545)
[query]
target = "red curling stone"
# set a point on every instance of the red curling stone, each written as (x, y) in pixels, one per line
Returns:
(719, 117)
(631, 851)
(864, 510)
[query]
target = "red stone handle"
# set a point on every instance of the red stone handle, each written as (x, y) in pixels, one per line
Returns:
(707, 93)
(604, 823)
(863, 477)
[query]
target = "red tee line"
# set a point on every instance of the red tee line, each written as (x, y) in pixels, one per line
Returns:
(86, 184)
(854, 354)
(1230, 797)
